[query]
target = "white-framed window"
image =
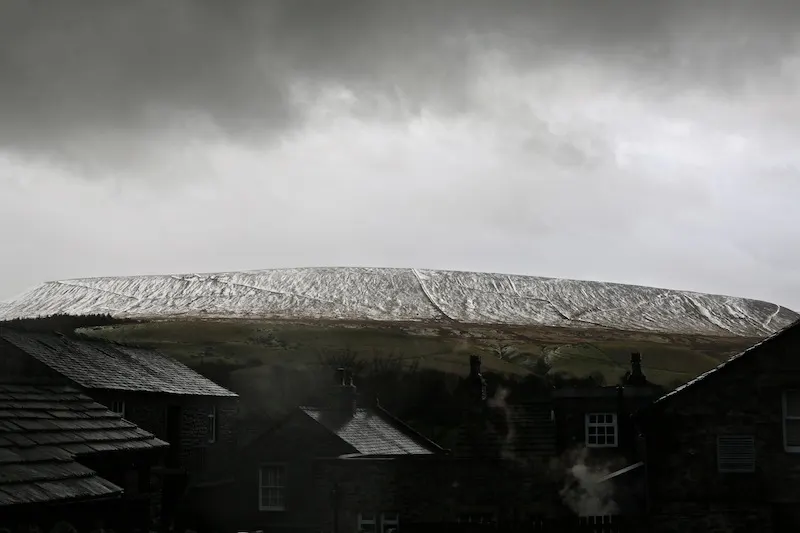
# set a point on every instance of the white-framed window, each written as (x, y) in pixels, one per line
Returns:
(601, 430)
(272, 487)
(736, 453)
(476, 517)
(596, 520)
(791, 421)
(118, 407)
(367, 523)
(212, 425)
(390, 522)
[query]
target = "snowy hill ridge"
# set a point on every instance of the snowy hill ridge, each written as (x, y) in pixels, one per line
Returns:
(385, 294)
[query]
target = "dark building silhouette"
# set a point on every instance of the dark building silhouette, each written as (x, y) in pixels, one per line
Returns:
(194, 415)
(67, 460)
(723, 451)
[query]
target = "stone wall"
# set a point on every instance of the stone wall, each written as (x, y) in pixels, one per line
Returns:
(688, 517)
(202, 458)
(572, 405)
(686, 490)
(436, 489)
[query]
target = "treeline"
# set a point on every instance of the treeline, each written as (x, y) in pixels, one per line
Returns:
(63, 323)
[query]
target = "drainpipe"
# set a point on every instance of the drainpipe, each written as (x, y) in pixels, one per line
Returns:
(623, 425)
(335, 501)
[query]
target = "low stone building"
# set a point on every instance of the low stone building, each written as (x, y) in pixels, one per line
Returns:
(598, 420)
(339, 467)
(194, 415)
(723, 451)
(67, 460)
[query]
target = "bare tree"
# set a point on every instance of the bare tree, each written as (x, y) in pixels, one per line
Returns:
(343, 358)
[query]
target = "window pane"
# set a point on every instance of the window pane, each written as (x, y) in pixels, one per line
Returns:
(272, 476)
(793, 433)
(366, 523)
(792, 403)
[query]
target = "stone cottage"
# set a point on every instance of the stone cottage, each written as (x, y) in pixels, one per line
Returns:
(194, 415)
(722, 453)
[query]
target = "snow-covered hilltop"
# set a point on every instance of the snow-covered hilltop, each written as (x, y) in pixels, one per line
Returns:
(405, 295)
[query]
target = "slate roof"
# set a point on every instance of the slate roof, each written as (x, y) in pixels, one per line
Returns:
(726, 364)
(372, 432)
(104, 365)
(518, 431)
(44, 429)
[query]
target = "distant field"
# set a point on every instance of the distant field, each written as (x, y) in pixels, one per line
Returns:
(667, 360)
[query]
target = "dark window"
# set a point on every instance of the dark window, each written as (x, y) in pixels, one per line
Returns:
(212, 425)
(476, 518)
(174, 426)
(144, 479)
(131, 481)
(791, 421)
(367, 523)
(390, 522)
(118, 407)
(272, 487)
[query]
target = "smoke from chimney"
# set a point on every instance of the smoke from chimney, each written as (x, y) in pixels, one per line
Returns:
(584, 491)
(499, 402)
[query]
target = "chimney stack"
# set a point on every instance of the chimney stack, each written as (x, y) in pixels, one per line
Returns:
(477, 384)
(474, 366)
(636, 377)
(347, 393)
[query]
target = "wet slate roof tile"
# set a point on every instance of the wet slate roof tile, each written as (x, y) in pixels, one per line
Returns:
(104, 365)
(370, 433)
(38, 449)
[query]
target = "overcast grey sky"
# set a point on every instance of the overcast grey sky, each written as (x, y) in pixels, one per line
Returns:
(648, 142)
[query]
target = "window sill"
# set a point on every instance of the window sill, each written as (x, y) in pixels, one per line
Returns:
(602, 445)
(272, 509)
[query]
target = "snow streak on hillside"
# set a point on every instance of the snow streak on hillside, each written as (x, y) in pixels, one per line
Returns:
(405, 295)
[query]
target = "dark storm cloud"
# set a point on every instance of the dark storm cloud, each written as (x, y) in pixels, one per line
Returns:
(97, 82)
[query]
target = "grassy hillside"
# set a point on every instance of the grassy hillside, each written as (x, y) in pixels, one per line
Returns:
(260, 345)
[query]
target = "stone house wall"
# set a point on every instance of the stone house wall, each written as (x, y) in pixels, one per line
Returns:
(148, 411)
(571, 407)
(202, 459)
(686, 490)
